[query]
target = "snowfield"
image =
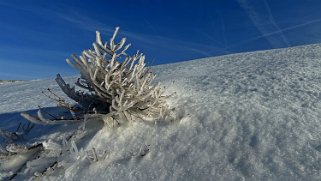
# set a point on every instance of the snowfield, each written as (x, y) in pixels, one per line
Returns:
(248, 116)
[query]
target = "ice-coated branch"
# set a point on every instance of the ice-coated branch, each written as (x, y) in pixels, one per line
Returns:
(41, 119)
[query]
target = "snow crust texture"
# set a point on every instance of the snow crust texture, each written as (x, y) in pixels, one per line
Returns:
(249, 116)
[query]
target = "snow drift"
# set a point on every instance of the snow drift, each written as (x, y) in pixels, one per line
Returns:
(253, 116)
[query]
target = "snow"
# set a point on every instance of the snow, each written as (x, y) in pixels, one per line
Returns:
(248, 116)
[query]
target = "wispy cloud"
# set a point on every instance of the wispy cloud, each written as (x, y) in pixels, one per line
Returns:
(81, 21)
(278, 31)
(86, 23)
(5, 49)
(271, 19)
(10, 69)
(258, 19)
(223, 31)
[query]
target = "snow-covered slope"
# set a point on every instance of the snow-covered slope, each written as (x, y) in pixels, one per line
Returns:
(253, 116)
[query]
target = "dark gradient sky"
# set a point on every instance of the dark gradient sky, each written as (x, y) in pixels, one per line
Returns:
(37, 36)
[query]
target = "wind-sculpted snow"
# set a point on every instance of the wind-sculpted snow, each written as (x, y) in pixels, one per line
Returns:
(253, 116)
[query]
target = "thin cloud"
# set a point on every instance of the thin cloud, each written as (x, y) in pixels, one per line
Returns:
(271, 18)
(278, 31)
(223, 30)
(258, 21)
(82, 22)
(86, 23)
(11, 69)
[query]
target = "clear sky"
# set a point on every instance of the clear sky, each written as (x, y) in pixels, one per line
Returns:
(38, 35)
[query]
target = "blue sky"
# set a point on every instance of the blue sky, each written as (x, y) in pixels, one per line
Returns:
(37, 36)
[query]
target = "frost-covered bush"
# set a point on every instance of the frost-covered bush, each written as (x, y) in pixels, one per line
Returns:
(113, 86)
(118, 87)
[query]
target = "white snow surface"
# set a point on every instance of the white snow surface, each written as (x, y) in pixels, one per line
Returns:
(248, 116)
